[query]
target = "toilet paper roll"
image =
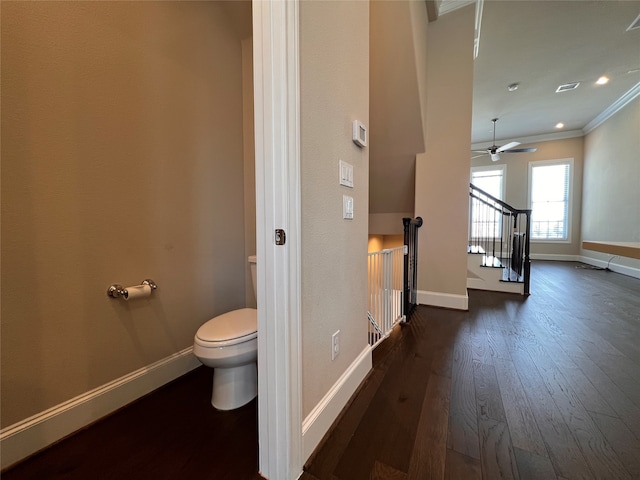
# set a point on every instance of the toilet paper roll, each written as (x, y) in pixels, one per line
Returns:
(138, 291)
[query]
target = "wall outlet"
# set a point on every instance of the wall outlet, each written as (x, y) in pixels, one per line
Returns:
(335, 345)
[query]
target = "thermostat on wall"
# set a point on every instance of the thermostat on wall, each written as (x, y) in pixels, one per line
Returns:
(359, 134)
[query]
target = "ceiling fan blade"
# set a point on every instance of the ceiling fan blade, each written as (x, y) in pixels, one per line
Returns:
(479, 151)
(508, 146)
(522, 150)
(478, 156)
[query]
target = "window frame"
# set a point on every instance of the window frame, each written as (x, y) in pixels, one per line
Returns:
(569, 217)
(485, 168)
(503, 188)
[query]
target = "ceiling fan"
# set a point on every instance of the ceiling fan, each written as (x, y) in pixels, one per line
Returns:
(495, 150)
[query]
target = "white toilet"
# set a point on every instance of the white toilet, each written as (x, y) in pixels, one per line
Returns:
(229, 344)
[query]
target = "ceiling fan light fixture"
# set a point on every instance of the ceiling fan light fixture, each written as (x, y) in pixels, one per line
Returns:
(635, 24)
(495, 157)
(603, 80)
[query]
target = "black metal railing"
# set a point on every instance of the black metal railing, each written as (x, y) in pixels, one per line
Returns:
(501, 234)
(411, 226)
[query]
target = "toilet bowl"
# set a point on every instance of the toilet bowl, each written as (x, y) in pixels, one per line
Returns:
(228, 343)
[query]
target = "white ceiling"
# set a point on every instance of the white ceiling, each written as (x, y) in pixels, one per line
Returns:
(544, 44)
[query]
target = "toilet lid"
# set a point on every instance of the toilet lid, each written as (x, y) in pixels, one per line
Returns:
(239, 325)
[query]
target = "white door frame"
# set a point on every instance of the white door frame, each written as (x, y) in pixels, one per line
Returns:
(277, 134)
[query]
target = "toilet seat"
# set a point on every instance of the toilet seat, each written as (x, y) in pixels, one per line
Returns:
(231, 328)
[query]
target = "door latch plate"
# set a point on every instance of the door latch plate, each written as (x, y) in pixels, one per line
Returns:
(281, 236)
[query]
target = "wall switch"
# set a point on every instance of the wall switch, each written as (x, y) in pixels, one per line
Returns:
(335, 345)
(346, 174)
(347, 207)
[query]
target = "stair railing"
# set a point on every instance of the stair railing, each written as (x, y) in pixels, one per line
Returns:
(411, 226)
(501, 233)
(385, 303)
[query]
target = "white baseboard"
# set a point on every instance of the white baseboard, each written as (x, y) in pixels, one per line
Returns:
(506, 287)
(614, 267)
(320, 419)
(556, 257)
(443, 300)
(24, 438)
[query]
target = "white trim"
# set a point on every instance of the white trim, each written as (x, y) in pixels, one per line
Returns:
(28, 436)
(505, 287)
(489, 168)
(602, 117)
(556, 257)
(614, 267)
(448, 6)
(569, 219)
(444, 300)
(478, 28)
(277, 134)
(614, 108)
(320, 419)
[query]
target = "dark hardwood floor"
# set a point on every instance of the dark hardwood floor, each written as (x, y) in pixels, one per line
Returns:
(173, 433)
(546, 387)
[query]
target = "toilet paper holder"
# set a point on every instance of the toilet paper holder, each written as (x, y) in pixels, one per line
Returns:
(117, 290)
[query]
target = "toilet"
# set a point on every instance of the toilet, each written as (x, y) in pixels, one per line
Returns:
(228, 343)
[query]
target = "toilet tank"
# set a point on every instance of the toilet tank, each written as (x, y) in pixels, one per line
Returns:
(252, 266)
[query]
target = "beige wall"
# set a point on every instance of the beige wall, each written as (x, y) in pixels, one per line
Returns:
(442, 172)
(611, 188)
(122, 158)
(380, 242)
(396, 132)
(388, 223)
(517, 185)
(249, 164)
(334, 84)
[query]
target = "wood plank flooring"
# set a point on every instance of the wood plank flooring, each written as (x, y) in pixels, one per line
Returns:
(545, 387)
(173, 433)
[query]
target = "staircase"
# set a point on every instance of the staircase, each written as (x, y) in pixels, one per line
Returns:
(498, 250)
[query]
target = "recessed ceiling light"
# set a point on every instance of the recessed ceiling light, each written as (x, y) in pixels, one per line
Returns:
(559, 125)
(602, 80)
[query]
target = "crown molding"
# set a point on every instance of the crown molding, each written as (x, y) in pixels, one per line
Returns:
(546, 137)
(447, 6)
(614, 108)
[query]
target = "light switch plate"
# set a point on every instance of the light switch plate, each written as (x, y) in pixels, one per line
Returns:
(347, 207)
(346, 174)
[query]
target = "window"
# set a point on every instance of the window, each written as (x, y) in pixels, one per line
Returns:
(549, 196)
(491, 180)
